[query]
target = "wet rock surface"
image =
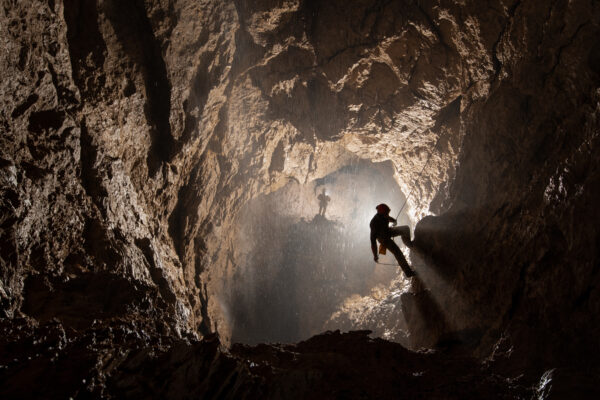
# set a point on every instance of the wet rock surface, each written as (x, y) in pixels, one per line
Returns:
(133, 133)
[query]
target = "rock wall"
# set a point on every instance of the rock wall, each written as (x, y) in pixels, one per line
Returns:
(523, 199)
(133, 133)
(146, 126)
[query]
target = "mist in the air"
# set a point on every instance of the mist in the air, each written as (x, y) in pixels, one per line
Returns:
(298, 257)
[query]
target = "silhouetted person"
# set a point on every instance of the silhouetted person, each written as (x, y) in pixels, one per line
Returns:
(323, 201)
(382, 232)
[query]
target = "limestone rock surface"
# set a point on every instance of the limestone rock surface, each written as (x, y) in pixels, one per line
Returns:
(133, 134)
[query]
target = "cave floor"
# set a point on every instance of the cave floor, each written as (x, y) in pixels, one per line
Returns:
(126, 360)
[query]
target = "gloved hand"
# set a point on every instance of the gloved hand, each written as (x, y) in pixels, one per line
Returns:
(394, 223)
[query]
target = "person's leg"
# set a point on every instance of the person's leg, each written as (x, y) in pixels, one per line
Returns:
(404, 232)
(393, 247)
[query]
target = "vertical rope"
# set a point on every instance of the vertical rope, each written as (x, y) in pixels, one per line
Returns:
(419, 177)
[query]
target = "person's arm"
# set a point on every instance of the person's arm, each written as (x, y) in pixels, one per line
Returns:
(392, 220)
(374, 247)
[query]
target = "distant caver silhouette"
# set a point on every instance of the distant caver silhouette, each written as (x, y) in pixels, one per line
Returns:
(382, 232)
(323, 202)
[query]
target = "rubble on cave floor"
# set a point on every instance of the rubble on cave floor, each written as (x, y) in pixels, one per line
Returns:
(352, 365)
(114, 360)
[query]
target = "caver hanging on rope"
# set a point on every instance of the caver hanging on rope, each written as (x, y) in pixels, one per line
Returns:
(382, 232)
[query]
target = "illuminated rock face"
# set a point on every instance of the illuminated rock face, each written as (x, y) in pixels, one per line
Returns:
(133, 133)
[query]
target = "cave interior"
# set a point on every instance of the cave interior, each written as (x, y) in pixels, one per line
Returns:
(187, 188)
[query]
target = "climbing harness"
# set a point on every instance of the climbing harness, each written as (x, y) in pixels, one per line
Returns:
(382, 249)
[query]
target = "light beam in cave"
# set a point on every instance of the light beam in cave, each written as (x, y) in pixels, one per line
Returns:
(297, 267)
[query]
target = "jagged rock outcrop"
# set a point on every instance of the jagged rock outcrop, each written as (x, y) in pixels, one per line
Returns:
(133, 133)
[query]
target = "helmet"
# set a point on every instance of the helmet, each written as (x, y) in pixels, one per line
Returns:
(383, 208)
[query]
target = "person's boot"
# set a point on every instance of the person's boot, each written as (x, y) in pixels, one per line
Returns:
(408, 271)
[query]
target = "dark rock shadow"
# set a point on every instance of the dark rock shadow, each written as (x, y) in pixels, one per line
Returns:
(424, 317)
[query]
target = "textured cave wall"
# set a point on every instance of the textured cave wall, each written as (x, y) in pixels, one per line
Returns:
(525, 194)
(300, 85)
(134, 132)
(86, 111)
